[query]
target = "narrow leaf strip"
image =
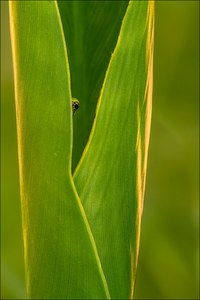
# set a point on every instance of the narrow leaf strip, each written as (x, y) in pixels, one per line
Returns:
(110, 177)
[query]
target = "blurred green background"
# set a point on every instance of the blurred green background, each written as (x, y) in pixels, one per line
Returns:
(169, 252)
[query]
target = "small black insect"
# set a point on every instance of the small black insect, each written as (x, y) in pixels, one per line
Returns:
(75, 105)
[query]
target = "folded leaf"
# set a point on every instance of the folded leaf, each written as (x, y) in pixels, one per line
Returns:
(60, 254)
(110, 177)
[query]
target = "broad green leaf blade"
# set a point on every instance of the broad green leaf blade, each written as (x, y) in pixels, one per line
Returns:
(91, 30)
(110, 178)
(60, 254)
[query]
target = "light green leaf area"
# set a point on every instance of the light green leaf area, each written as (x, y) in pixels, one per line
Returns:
(60, 254)
(91, 30)
(110, 177)
(69, 255)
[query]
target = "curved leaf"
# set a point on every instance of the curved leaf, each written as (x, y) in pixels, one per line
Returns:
(60, 254)
(110, 177)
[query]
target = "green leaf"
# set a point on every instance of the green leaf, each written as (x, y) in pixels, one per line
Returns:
(60, 253)
(110, 177)
(91, 30)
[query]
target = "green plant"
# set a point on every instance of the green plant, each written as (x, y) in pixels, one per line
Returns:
(81, 233)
